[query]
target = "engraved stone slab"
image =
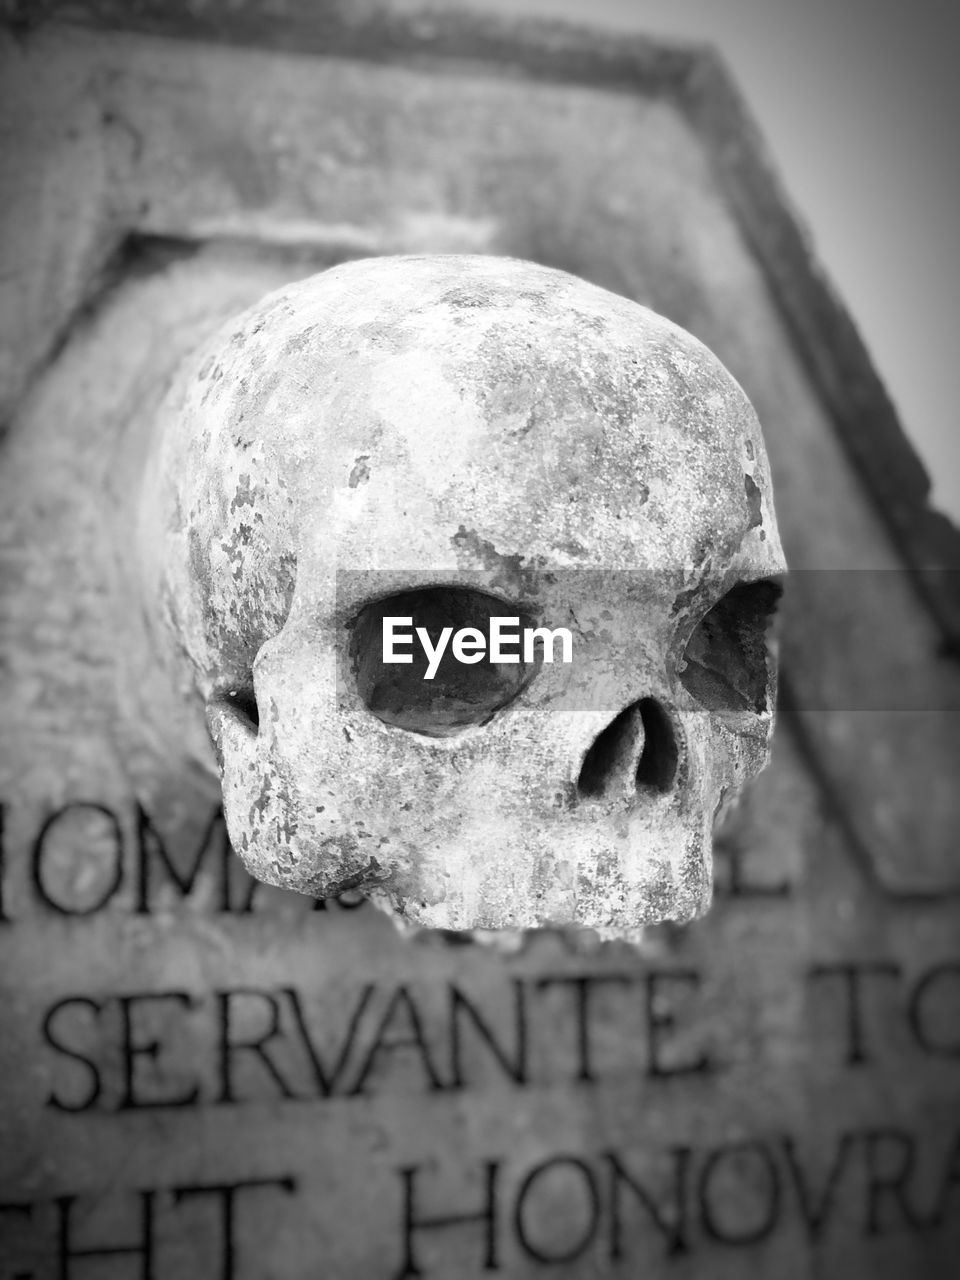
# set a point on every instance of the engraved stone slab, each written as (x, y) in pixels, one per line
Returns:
(203, 1076)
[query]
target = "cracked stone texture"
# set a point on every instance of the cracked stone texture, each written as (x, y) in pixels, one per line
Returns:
(421, 420)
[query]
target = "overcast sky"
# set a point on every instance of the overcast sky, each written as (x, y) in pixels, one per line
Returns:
(859, 101)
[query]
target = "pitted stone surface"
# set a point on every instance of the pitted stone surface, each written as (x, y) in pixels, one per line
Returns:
(470, 423)
(769, 1091)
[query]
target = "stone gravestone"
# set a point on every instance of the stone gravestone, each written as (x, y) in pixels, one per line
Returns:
(206, 1076)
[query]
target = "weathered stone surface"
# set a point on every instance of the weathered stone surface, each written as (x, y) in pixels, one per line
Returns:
(410, 432)
(344, 156)
(769, 1091)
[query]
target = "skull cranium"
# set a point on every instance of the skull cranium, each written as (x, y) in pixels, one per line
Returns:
(450, 439)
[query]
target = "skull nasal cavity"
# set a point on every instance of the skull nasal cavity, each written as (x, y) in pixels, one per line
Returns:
(614, 754)
(241, 704)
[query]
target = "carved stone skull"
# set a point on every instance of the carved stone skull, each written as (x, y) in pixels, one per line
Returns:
(447, 440)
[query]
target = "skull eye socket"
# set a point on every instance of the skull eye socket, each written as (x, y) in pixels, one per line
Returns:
(464, 690)
(726, 662)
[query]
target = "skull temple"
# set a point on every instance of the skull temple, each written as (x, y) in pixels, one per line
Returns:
(448, 441)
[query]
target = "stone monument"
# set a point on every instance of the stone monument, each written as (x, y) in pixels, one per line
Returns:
(205, 1075)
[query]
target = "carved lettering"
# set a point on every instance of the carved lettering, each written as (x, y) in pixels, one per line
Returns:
(740, 1163)
(890, 1156)
(224, 1196)
(815, 1209)
(54, 886)
(949, 1185)
(614, 1209)
(662, 1020)
(136, 1094)
(671, 1223)
(81, 1252)
(142, 1248)
(464, 1012)
(927, 1006)
(389, 1038)
(582, 987)
(152, 854)
(544, 1247)
(328, 1078)
(254, 1043)
(941, 983)
(733, 1195)
(854, 978)
(414, 1223)
(52, 1030)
